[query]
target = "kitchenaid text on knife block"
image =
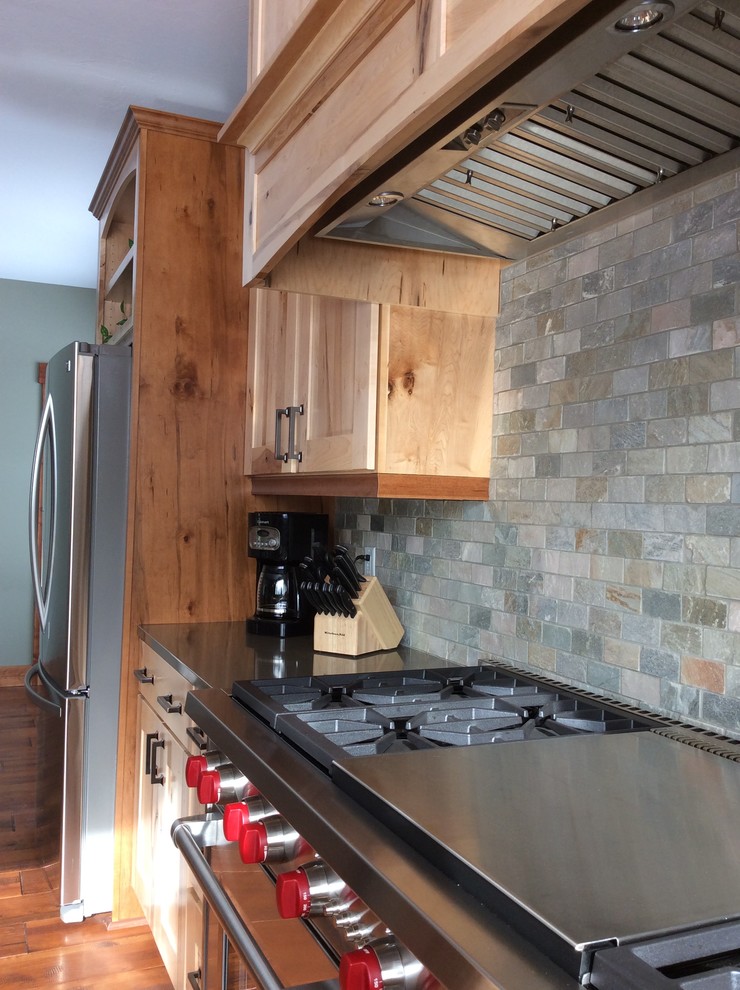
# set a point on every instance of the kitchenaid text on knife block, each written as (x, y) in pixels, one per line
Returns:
(375, 627)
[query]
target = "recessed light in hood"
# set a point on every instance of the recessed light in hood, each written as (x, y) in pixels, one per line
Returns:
(645, 15)
(386, 198)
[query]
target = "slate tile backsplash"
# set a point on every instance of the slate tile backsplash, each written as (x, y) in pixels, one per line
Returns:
(609, 552)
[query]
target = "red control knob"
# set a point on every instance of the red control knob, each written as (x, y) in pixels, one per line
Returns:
(194, 767)
(209, 787)
(360, 970)
(253, 843)
(222, 783)
(252, 809)
(197, 765)
(270, 840)
(236, 816)
(293, 893)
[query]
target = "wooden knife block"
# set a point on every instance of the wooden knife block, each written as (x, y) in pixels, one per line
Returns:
(375, 627)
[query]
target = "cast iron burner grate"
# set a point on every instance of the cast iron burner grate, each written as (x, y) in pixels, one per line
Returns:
(334, 716)
(273, 697)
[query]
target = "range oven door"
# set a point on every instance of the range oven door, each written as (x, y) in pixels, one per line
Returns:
(232, 959)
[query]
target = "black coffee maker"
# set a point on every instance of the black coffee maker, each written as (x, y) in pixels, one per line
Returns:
(279, 541)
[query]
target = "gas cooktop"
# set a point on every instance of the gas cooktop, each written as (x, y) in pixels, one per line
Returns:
(336, 716)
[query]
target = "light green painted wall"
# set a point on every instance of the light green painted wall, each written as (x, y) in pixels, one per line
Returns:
(36, 320)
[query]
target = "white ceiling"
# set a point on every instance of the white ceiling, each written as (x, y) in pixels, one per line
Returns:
(68, 71)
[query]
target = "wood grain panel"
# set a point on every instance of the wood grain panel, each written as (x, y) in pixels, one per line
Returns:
(269, 24)
(438, 398)
(272, 350)
(287, 184)
(372, 485)
(188, 497)
(302, 59)
(447, 282)
(12, 676)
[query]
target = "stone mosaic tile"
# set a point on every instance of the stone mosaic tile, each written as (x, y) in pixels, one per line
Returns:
(610, 551)
(680, 700)
(643, 688)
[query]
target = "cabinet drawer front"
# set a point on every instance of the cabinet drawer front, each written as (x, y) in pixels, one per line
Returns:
(166, 694)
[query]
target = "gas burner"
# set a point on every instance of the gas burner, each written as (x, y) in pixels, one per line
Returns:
(390, 689)
(570, 715)
(483, 681)
(328, 736)
(271, 698)
(472, 726)
(338, 715)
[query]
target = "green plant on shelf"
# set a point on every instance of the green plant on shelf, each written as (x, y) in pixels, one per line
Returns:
(105, 334)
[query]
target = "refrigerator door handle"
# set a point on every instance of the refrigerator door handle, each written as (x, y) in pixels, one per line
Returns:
(46, 428)
(54, 688)
(40, 700)
(58, 694)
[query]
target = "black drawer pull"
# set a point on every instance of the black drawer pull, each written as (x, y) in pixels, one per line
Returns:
(198, 736)
(150, 737)
(143, 677)
(155, 776)
(170, 706)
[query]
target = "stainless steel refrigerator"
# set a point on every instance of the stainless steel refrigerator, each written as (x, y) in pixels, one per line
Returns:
(77, 522)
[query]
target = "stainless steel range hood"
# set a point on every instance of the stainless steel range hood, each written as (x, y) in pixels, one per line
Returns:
(591, 116)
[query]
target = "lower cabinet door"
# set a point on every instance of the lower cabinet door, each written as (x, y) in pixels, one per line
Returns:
(160, 874)
(149, 726)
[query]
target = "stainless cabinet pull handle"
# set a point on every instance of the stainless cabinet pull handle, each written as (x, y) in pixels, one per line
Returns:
(279, 413)
(171, 707)
(194, 979)
(293, 454)
(143, 677)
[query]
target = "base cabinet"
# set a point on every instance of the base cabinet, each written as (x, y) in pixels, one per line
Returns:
(160, 878)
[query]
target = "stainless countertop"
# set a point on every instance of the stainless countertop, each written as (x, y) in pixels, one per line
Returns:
(215, 654)
(599, 838)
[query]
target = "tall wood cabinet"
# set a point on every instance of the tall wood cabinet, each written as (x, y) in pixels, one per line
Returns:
(169, 205)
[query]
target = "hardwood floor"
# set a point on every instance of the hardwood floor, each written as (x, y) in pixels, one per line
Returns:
(37, 950)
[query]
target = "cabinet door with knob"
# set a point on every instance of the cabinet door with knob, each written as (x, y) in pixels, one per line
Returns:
(312, 384)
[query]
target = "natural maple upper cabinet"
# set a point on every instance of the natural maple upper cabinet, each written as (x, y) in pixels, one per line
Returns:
(362, 398)
(312, 390)
(340, 87)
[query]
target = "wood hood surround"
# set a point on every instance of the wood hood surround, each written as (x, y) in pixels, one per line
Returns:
(351, 85)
